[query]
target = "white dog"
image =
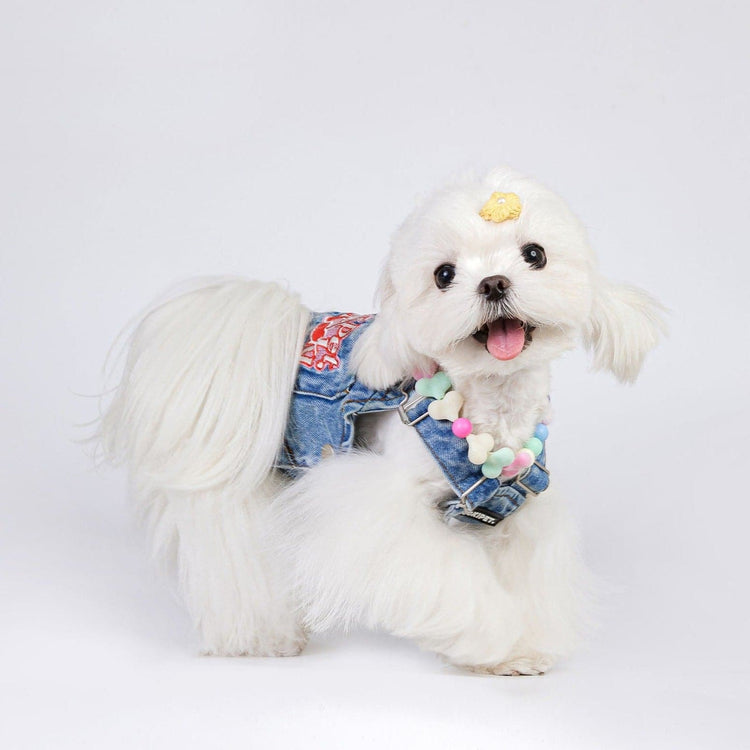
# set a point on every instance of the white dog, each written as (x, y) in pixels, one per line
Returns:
(286, 520)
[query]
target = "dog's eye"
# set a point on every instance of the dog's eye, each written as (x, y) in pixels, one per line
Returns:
(534, 255)
(444, 275)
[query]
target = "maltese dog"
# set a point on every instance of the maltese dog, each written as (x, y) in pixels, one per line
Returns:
(302, 471)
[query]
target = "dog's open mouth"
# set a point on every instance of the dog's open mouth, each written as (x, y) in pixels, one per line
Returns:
(505, 338)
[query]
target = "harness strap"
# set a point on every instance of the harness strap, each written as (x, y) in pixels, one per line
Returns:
(477, 498)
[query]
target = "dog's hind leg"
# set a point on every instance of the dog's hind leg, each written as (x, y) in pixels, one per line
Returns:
(216, 544)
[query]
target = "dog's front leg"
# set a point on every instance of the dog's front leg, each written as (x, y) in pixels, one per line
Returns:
(536, 557)
(364, 544)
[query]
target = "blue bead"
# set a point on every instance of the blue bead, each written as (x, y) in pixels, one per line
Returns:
(541, 432)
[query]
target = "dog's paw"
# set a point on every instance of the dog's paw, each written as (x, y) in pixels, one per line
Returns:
(517, 667)
(286, 647)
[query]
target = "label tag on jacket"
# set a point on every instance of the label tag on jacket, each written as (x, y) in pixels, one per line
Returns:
(484, 515)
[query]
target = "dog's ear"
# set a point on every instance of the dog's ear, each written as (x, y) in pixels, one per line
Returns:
(383, 356)
(624, 325)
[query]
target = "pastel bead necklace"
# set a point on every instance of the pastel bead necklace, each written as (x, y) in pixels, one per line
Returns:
(447, 405)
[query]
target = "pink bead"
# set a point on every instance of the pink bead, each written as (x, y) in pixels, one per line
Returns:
(513, 469)
(426, 373)
(462, 427)
(525, 458)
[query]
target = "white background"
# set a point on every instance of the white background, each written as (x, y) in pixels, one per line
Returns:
(146, 142)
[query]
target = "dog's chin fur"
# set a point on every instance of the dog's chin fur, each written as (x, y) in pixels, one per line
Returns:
(201, 412)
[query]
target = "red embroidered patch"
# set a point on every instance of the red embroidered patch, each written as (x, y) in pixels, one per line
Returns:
(320, 351)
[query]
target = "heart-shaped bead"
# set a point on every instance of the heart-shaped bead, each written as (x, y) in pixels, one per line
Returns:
(496, 462)
(535, 445)
(514, 468)
(435, 387)
(525, 458)
(447, 407)
(479, 447)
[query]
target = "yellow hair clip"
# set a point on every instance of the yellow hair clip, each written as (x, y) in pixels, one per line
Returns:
(501, 207)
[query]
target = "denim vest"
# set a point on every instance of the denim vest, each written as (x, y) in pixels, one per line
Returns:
(327, 398)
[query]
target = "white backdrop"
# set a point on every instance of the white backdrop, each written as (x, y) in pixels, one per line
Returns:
(146, 142)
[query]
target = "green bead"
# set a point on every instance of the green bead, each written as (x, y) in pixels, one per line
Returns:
(535, 445)
(496, 462)
(435, 387)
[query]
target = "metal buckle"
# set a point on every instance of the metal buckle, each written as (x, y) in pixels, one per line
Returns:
(403, 407)
(462, 499)
(519, 480)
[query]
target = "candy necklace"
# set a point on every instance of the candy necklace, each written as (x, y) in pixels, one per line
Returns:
(447, 405)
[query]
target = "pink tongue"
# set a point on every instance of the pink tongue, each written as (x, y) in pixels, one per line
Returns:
(505, 339)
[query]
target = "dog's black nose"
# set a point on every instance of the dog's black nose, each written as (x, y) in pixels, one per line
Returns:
(493, 288)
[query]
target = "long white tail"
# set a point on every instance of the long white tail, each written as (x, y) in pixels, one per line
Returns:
(204, 394)
(199, 417)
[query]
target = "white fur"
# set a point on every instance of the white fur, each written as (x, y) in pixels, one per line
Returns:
(624, 325)
(202, 406)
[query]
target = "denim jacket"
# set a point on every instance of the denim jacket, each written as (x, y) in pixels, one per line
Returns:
(327, 398)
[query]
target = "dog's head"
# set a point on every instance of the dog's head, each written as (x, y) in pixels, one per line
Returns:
(495, 275)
